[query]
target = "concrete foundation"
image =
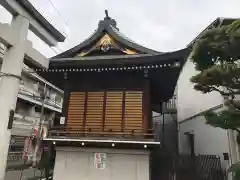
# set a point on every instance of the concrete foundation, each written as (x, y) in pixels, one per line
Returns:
(78, 163)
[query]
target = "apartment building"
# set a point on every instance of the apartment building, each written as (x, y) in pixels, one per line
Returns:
(29, 104)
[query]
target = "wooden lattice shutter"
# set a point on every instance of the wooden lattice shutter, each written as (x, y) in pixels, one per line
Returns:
(94, 111)
(113, 113)
(76, 110)
(133, 111)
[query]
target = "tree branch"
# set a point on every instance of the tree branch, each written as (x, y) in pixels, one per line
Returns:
(218, 90)
(237, 130)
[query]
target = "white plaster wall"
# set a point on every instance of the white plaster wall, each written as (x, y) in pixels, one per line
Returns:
(208, 140)
(190, 101)
(78, 163)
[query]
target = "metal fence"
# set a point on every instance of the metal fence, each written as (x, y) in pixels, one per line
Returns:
(14, 157)
(17, 170)
(168, 166)
(170, 106)
(200, 167)
(24, 174)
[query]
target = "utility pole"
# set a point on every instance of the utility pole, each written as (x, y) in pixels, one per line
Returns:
(43, 97)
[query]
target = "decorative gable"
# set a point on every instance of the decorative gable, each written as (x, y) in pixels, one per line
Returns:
(105, 45)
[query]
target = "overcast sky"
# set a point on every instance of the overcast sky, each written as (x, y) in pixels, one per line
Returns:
(161, 25)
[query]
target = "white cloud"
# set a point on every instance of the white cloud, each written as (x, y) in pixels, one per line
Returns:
(160, 25)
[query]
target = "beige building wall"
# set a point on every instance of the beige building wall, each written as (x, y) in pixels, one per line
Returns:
(78, 163)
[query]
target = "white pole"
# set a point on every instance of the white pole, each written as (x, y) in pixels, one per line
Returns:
(9, 84)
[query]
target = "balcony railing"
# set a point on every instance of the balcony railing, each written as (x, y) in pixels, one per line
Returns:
(201, 167)
(79, 133)
(170, 106)
(15, 156)
(27, 119)
(1, 52)
(35, 96)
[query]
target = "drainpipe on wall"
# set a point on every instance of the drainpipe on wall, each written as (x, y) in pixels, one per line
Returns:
(233, 145)
(232, 141)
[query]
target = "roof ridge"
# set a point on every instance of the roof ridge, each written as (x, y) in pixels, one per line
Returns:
(109, 26)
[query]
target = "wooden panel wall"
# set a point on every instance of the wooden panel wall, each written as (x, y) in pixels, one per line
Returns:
(112, 111)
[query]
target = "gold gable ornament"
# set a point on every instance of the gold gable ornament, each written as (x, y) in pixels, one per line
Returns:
(105, 44)
(129, 52)
(105, 47)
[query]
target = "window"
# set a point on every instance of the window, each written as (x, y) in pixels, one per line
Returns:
(40, 88)
(58, 98)
(52, 96)
(191, 143)
(36, 86)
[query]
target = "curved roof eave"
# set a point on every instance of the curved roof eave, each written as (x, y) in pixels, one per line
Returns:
(123, 59)
(97, 34)
(121, 38)
(76, 48)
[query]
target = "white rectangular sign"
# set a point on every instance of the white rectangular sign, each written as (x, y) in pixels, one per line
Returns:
(62, 120)
(100, 160)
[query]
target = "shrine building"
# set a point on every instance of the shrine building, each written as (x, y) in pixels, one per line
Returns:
(111, 87)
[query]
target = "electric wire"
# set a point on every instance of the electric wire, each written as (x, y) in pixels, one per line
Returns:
(9, 75)
(59, 14)
(64, 22)
(55, 50)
